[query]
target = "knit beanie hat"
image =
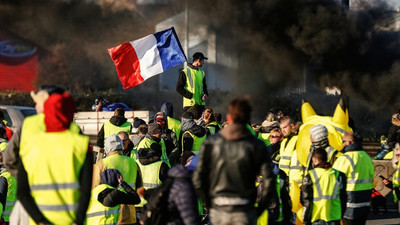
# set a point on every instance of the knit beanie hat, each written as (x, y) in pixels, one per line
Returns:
(154, 128)
(110, 177)
(59, 112)
(113, 143)
(318, 132)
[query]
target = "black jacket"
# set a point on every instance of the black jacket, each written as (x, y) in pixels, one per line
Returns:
(228, 165)
(306, 195)
(394, 132)
(115, 120)
(182, 199)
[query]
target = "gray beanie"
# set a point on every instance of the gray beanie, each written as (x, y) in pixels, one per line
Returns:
(113, 143)
(318, 132)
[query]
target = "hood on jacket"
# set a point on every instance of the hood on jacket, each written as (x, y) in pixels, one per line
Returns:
(168, 109)
(186, 124)
(197, 130)
(178, 171)
(396, 119)
(117, 120)
(235, 131)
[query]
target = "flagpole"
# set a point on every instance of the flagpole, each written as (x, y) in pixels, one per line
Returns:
(187, 28)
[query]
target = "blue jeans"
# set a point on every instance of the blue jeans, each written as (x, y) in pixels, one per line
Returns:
(220, 217)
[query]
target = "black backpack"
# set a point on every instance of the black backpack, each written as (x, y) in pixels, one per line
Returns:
(156, 212)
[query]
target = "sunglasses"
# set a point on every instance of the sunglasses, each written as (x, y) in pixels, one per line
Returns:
(275, 136)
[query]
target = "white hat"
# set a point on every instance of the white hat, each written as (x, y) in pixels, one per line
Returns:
(113, 143)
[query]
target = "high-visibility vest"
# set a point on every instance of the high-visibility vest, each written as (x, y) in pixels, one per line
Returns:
(278, 187)
(286, 151)
(53, 162)
(326, 195)
(98, 213)
(396, 182)
(151, 178)
(359, 170)
(213, 127)
(296, 169)
(265, 138)
(194, 85)
(11, 195)
(174, 125)
(34, 124)
(146, 143)
(125, 165)
(110, 128)
(3, 146)
(251, 130)
(197, 142)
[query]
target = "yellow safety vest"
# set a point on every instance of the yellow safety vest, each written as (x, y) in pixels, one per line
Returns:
(174, 125)
(3, 146)
(359, 170)
(265, 138)
(53, 162)
(110, 128)
(34, 124)
(212, 127)
(151, 178)
(146, 143)
(11, 195)
(396, 177)
(286, 152)
(194, 85)
(326, 195)
(97, 213)
(197, 142)
(125, 165)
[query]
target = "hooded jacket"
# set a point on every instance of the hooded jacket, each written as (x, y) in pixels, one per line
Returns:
(182, 197)
(228, 165)
(115, 120)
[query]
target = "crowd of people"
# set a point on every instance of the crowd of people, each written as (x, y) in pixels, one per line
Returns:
(218, 173)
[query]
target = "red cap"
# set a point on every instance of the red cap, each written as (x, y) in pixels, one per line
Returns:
(59, 112)
(160, 117)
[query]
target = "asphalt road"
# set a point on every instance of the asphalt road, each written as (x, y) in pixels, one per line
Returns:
(385, 218)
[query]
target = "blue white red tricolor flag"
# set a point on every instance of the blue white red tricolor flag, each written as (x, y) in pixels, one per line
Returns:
(138, 60)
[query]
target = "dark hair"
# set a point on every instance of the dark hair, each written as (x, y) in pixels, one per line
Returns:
(208, 116)
(143, 128)
(3, 133)
(218, 117)
(240, 110)
(1, 115)
(120, 112)
(320, 154)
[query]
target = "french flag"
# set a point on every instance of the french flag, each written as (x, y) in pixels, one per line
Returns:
(138, 60)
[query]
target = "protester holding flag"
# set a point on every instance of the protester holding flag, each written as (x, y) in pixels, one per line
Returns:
(192, 83)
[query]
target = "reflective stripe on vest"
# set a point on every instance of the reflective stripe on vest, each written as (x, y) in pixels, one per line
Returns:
(396, 177)
(125, 165)
(326, 195)
(54, 176)
(110, 128)
(11, 195)
(296, 169)
(197, 142)
(286, 150)
(194, 85)
(97, 213)
(354, 181)
(150, 176)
